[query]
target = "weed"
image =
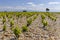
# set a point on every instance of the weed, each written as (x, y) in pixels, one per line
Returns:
(45, 23)
(11, 22)
(4, 28)
(43, 16)
(24, 28)
(17, 31)
(29, 21)
(4, 20)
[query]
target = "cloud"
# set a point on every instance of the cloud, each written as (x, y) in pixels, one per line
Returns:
(12, 8)
(34, 5)
(18, 8)
(31, 3)
(54, 3)
(41, 4)
(31, 7)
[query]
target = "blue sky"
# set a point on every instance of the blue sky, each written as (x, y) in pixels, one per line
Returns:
(30, 5)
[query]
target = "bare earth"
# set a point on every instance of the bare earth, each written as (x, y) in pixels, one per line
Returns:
(35, 30)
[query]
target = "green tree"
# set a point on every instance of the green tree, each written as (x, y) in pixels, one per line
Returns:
(47, 9)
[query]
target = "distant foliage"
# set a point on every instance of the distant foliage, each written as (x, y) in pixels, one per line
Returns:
(34, 17)
(53, 18)
(24, 10)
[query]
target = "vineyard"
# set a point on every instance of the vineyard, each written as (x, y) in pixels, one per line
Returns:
(29, 26)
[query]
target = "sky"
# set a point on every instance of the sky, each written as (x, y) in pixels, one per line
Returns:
(30, 5)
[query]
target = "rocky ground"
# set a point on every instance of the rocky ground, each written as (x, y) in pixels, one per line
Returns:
(35, 29)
